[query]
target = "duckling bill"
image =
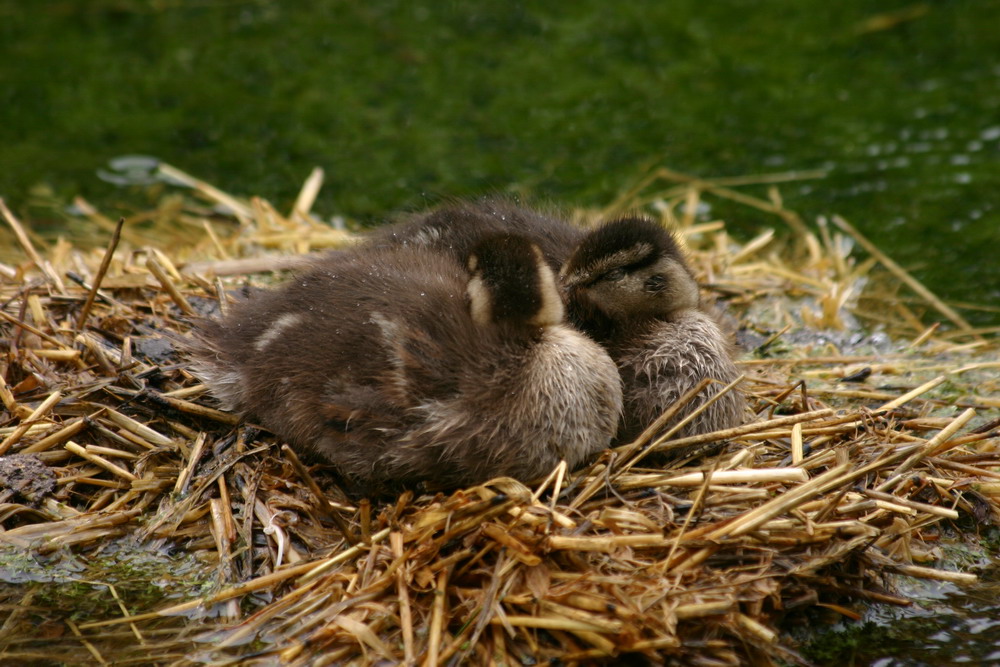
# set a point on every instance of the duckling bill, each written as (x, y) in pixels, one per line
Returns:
(402, 366)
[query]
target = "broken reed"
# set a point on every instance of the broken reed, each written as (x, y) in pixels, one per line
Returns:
(698, 560)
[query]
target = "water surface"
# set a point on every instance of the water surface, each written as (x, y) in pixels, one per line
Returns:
(405, 102)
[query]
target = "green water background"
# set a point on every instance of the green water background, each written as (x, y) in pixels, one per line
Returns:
(405, 102)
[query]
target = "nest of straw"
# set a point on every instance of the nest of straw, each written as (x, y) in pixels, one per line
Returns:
(113, 453)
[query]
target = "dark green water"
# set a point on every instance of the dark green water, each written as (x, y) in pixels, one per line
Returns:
(944, 626)
(405, 102)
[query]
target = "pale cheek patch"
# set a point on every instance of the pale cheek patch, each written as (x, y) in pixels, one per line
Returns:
(273, 332)
(551, 311)
(480, 304)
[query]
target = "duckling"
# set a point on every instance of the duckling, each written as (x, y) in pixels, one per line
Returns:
(401, 367)
(630, 288)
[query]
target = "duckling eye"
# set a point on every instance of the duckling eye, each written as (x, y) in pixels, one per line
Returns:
(614, 274)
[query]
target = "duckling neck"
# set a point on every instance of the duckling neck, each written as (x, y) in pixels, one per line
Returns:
(613, 333)
(519, 333)
(622, 334)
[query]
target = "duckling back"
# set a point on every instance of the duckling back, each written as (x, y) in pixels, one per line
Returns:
(378, 361)
(458, 227)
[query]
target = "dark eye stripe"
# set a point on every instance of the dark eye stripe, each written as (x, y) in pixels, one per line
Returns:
(617, 273)
(614, 274)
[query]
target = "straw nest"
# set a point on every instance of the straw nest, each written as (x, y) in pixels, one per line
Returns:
(864, 453)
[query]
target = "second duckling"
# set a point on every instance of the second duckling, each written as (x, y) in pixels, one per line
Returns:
(402, 367)
(630, 288)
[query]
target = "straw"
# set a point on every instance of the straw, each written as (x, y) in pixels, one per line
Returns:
(102, 269)
(828, 493)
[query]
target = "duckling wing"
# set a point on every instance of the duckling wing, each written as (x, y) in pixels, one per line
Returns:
(417, 364)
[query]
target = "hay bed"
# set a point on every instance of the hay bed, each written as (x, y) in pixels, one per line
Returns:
(832, 489)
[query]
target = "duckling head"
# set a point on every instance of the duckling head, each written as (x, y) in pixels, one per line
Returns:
(626, 271)
(511, 284)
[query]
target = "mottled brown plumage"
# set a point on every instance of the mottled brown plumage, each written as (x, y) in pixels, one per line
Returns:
(457, 227)
(401, 366)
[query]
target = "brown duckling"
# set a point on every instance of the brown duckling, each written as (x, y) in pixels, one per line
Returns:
(400, 366)
(630, 288)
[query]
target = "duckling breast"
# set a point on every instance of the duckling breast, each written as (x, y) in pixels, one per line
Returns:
(571, 399)
(585, 388)
(662, 363)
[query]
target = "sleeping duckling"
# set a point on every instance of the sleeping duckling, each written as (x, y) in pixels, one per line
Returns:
(629, 287)
(401, 367)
